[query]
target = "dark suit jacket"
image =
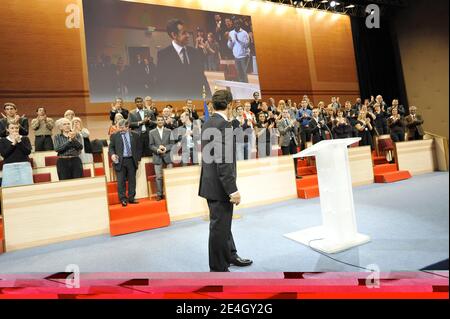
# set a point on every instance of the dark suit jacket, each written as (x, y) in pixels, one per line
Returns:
(155, 141)
(176, 81)
(135, 117)
(217, 178)
(23, 127)
(317, 133)
(413, 125)
(116, 147)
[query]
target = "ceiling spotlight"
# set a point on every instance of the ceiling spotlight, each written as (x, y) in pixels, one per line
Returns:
(324, 1)
(333, 4)
(350, 6)
(295, 3)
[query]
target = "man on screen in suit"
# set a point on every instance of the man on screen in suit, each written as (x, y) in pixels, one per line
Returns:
(180, 69)
(218, 184)
(125, 151)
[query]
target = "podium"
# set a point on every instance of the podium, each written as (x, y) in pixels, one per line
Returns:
(338, 231)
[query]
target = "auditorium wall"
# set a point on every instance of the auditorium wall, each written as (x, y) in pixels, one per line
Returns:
(43, 62)
(422, 31)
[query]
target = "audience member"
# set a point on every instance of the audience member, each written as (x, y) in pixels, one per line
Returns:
(396, 126)
(117, 108)
(239, 42)
(12, 117)
(364, 129)
(68, 145)
(189, 136)
(317, 127)
(414, 123)
(125, 151)
(140, 123)
(69, 114)
(264, 132)
(161, 143)
(288, 129)
(42, 127)
(256, 103)
(115, 128)
(15, 149)
(304, 115)
(242, 131)
(341, 127)
(86, 152)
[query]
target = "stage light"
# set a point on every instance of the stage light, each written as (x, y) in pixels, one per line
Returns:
(324, 1)
(350, 6)
(333, 4)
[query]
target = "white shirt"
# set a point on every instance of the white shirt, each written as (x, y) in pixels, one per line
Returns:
(142, 114)
(160, 131)
(178, 48)
(189, 141)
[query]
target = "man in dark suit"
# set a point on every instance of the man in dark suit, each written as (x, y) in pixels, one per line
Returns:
(317, 127)
(414, 123)
(125, 151)
(218, 184)
(161, 144)
(180, 70)
(141, 123)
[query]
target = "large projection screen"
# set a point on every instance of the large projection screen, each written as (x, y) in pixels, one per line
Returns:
(130, 52)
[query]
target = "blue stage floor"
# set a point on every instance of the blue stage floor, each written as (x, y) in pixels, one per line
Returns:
(408, 222)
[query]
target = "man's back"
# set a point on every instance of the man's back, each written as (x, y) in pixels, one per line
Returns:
(218, 174)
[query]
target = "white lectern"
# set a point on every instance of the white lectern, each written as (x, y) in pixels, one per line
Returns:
(338, 231)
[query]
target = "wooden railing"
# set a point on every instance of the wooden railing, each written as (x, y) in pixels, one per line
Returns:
(441, 149)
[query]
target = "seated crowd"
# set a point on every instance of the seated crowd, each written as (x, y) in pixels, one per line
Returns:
(258, 125)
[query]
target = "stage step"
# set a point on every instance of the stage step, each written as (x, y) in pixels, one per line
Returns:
(148, 214)
(384, 168)
(99, 171)
(306, 181)
(391, 177)
(302, 163)
(378, 160)
(308, 192)
(306, 170)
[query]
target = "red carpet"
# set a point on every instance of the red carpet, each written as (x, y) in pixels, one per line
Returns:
(148, 214)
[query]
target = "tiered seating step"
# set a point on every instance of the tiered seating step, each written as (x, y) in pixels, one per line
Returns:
(308, 187)
(148, 214)
(384, 168)
(391, 177)
(378, 160)
(306, 170)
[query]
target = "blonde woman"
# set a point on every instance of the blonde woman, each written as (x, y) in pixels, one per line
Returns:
(364, 129)
(114, 128)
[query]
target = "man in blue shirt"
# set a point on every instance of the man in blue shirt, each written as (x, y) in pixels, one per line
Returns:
(304, 115)
(239, 41)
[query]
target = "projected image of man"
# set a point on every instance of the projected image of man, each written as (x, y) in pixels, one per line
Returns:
(239, 41)
(180, 69)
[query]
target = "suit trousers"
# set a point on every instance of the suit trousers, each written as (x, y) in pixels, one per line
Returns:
(222, 249)
(145, 140)
(43, 143)
(69, 168)
(126, 173)
(291, 149)
(159, 177)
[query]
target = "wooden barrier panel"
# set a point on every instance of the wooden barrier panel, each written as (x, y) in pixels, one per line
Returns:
(39, 157)
(361, 167)
(441, 148)
(260, 182)
(417, 157)
(42, 214)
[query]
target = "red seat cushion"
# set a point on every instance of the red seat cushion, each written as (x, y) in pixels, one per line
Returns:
(87, 172)
(51, 160)
(42, 178)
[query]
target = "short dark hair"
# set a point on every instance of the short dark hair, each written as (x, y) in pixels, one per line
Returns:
(138, 98)
(172, 26)
(159, 116)
(221, 99)
(9, 104)
(40, 107)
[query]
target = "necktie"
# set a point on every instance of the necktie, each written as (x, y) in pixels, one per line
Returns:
(184, 54)
(127, 144)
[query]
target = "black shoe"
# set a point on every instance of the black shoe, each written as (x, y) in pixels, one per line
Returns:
(124, 203)
(133, 201)
(241, 262)
(158, 198)
(298, 177)
(226, 270)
